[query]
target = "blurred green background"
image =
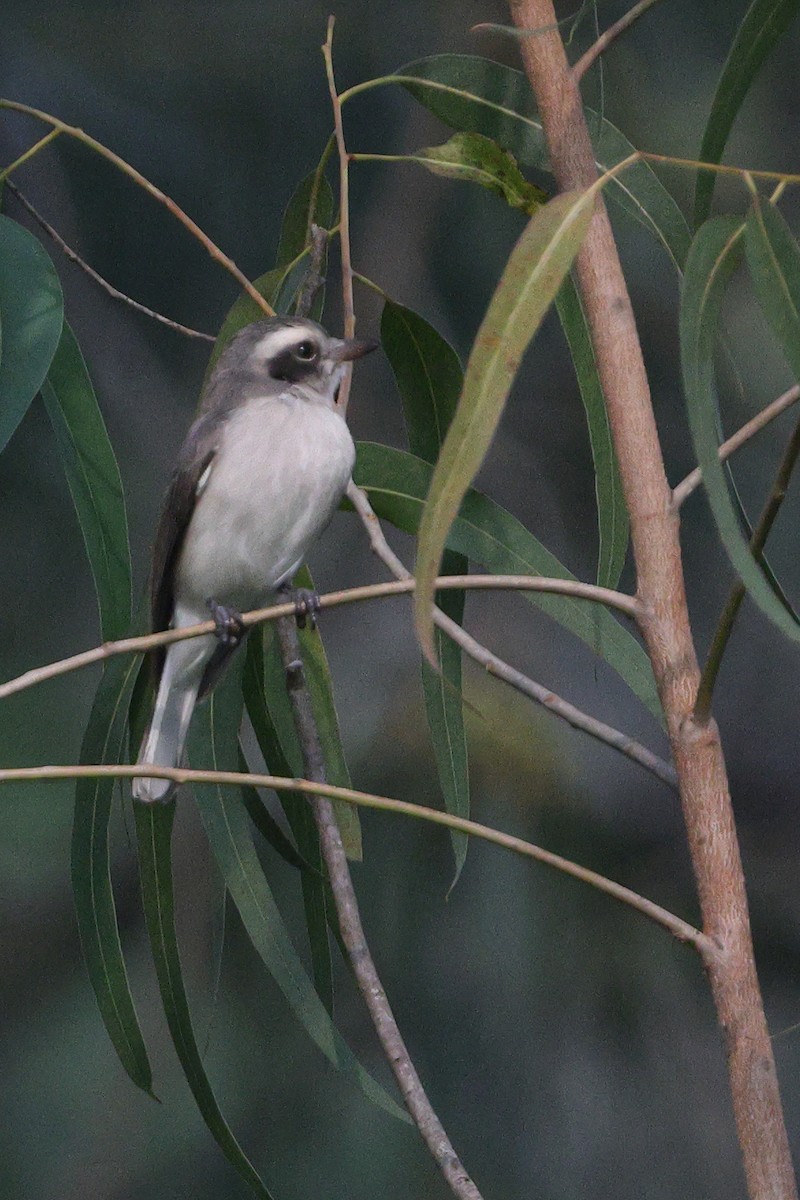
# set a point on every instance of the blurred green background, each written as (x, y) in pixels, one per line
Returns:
(570, 1048)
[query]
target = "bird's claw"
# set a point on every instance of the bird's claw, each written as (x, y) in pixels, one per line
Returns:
(306, 607)
(229, 626)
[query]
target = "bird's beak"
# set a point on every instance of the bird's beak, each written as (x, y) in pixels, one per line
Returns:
(346, 351)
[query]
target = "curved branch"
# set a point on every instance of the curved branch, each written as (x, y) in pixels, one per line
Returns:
(179, 775)
(73, 131)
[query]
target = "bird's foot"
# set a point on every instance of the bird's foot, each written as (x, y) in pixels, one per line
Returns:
(229, 626)
(306, 604)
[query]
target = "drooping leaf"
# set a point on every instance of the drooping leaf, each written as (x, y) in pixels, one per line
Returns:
(94, 481)
(715, 253)
(477, 159)
(429, 378)
(532, 276)
(154, 833)
(397, 484)
(612, 513)
(266, 824)
(270, 714)
(105, 742)
(213, 745)
(311, 204)
(773, 257)
(471, 93)
(31, 316)
(762, 27)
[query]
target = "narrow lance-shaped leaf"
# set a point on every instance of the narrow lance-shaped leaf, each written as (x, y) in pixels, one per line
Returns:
(397, 484)
(429, 378)
(714, 255)
(105, 742)
(94, 481)
(270, 714)
(773, 257)
(213, 743)
(532, 277)
(763, 25)
(472, 93)
(311, 204)
(31, 316)
(612, 514)
(154, 833)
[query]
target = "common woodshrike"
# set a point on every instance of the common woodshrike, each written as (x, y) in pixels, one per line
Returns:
(259, 476)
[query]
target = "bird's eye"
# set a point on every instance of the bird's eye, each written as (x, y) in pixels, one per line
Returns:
(306, 351)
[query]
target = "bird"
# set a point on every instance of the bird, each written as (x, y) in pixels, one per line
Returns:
(257, 479)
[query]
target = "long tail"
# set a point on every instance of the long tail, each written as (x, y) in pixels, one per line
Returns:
(164, 741)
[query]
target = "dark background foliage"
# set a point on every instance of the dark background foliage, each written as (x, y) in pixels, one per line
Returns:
(570, 1048)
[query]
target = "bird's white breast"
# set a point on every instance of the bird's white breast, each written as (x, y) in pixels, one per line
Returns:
(279, 473)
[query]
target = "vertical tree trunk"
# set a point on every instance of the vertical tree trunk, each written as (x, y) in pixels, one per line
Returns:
(665, 626)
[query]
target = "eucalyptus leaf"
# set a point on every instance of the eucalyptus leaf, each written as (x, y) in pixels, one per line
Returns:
(478, 159)
(311, 204)
(154, 834)
(31, 317)
(530, 281)
(94, 481)
(429, 378)
(773, 257)
(762, 27)
(213, 745)
(474, 94)
(715, 253)
(397, 484)
(105, 742)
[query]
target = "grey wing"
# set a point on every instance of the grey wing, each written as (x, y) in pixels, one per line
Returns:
(196, 453)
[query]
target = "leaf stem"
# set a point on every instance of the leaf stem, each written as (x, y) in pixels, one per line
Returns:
(344, 212)
(29, 153)
(705, 690)
(604, 41)
(73, 131)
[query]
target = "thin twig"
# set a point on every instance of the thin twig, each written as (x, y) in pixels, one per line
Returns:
(705, 690)
(152, 190)
(348, 308)
(693, 480)
(373, 591)
(430, 1127)
(604, 41)
(502, 670)
(180, 775)
(115, 293)
(28, 154)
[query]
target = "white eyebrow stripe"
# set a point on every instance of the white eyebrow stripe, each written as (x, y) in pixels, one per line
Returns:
(272, 343)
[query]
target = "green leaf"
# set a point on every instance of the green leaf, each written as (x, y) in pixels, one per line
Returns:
(270, 714)
(429, 378)
(213, 746)
(762, 27)
(311, 204)
(715, 253)
(244, 311)
(397, 484)
(773, 257)
(105, 742)
(532, 276)
(153, 832)
(94, 481)
(266, 824)
(612, 513)
(477, 159)
(468, 92)
(31, 316)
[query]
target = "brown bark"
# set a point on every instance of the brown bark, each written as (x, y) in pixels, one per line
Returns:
(665, 625)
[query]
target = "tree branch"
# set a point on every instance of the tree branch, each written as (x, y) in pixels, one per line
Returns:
(604, 41)
(654, 532)
(693, 480)
(60, 126)
(115, 293)
(502, 670)
(674, 925)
